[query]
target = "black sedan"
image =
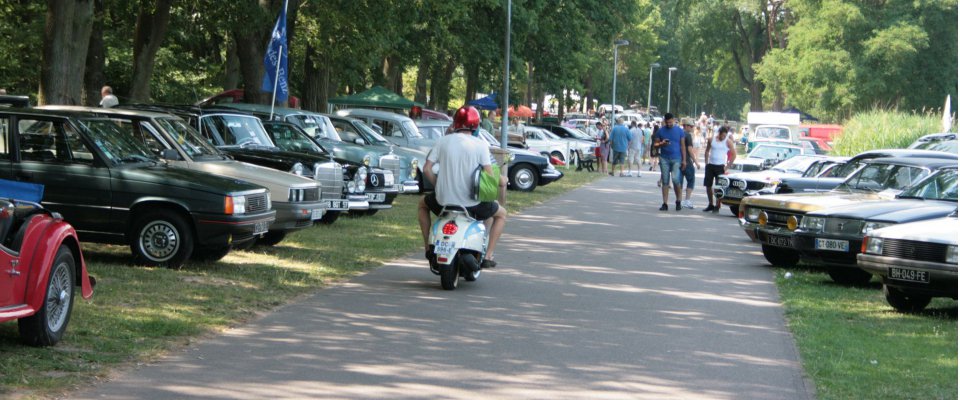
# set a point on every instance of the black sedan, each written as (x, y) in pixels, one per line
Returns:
(837, 175)
(833, 237)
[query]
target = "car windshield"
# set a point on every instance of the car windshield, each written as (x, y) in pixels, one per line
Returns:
(844, 170)
(236, 130)
(774, 152)
(946, 146)
(578, 134)
(411, 128)
(772, 132)
(115, 142)
(188, 139)
(489, 138)
(880, 177)
(433, 131)
(315, 126)
(794, 164)
(940, 186)
(550, 135)
(369, 134)
(289, 137)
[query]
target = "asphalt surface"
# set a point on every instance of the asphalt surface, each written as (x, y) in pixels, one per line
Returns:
(597, 296)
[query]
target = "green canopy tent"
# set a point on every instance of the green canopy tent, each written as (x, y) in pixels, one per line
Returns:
(378, 97)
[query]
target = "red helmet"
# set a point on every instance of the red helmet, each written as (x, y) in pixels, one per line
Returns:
(466, 117)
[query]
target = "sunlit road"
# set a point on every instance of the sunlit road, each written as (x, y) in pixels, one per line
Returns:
(598, 296)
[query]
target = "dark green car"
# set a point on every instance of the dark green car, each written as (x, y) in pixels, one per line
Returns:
(114, 190)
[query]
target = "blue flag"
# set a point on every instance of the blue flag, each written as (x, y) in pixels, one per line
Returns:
(276, 58)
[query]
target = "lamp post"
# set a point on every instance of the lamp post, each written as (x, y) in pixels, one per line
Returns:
(650, 85)
(613, 110)
(669, 84)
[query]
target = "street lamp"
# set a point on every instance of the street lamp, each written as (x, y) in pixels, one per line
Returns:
(613, 110)
(669, 84)
(650, 84)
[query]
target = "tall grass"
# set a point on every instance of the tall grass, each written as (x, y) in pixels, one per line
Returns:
(881, 129)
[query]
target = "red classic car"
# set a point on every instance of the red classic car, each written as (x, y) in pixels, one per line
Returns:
(41, 267)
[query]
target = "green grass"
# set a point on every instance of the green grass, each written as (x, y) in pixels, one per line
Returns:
(884, 130)
(138, 314)
(855, 346)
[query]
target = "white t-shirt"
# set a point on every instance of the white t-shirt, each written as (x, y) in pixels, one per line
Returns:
(458, 155)
(109, 101)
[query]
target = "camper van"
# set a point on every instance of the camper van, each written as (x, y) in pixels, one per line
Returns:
(772, 127)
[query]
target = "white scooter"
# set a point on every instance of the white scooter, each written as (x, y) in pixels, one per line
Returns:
(458, 244)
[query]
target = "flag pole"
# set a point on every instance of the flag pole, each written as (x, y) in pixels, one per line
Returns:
(276, 81)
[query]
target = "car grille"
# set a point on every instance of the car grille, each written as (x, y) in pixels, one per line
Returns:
(843, 226)
(392, 163)
(304, 195)
(755, 185)
(914, 250)
(779, 218)
(330, 177)
(256, 203)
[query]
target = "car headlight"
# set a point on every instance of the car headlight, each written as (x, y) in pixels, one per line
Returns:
(762, 219)
(414, 165)
(351, 187)
(793, 222)
(752, 214)
(813, 224)
(297, 169)
(869, 226)
(360, 179)
(873, 245)
(951, 254)
(723, 182)
(367, 160)
(235, 205)
(388, 179)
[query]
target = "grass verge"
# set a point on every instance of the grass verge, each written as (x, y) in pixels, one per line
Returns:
(140, 313)
(855, 346)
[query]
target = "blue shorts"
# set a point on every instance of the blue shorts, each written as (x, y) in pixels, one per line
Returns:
(690, 175)
(670, 170)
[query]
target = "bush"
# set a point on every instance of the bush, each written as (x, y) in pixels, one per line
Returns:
(884, 130)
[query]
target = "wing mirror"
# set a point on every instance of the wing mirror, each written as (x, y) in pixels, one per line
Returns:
(359, 141)
(170, 154)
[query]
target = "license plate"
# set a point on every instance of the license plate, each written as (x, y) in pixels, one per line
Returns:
(376, 197)
(909, 275)
(338, 204)
(261, 227)
(443, 248)
(737, 193)
(316, 213)
(779, 241)
(833, 245)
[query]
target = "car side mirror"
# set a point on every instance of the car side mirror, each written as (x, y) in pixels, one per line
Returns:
(359, 141)
(170, 154)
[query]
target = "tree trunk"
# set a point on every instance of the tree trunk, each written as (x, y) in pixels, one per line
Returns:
(587, 92)
(310, 93)
(473, 77)
(423, 69)
(528, 93)
(152, 22)
(392, 74)
(66, 40)
(93, 79)
(231, 70)
(250, 53)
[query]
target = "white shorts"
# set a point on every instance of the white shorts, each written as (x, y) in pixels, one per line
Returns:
(633, 156)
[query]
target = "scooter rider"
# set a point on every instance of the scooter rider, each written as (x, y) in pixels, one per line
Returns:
(458, 154)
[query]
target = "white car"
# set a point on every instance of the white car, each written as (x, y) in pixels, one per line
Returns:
(541, 141)
(916, 261)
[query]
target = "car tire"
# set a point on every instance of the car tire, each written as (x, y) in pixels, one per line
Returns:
(271, 238)
(210, 254)
(47, 325)
(780, 257)
(903, 302)
(523, 177)
(329, 217)
(849, 276)
(161, 238)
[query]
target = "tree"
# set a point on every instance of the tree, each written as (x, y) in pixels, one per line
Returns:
(65, 41)
(152, 21)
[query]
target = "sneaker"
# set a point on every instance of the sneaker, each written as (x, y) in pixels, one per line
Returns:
(716, 209)
(708, 209)
(664, 207)
(659, 183)
(488, 264)
(679, 206)
(688, 204)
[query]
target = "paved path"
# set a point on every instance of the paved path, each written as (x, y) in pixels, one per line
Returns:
(614, 300)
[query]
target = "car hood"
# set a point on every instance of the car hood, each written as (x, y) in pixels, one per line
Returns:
(749, 160)
(807, 202)
(187, 179)
(762, 176)
(899, 210)
(940, 230)
(287, 157)
(276, 181)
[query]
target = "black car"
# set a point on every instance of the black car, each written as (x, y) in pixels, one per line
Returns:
(113, 189)
(832, 237)
(837, 175)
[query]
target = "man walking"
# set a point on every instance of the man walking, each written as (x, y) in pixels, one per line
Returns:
(635, 149)
(619, 141)
(673, 154)
(717, 160)
(107, 99)
(690, 172)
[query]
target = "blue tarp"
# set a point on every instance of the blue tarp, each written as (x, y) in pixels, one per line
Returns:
(32, 192)
(488, 102)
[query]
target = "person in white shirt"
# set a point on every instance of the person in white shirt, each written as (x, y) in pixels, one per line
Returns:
(458, 155)
(635, 149)
(107, 99)
(718, 156)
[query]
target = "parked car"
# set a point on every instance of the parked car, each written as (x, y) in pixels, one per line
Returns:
(526, 169)
(580, 143)
(818, 145)
(832, 237)
(731, 188)
(44, 269)
(931, 140)
(916, 261)
(403, 162)
(397, 128)
(538, 141)
(297, 200)
(433, 129)
(772, 220)
(380, 184)
(235, 96)
(828, 181)
(113, 189)
(768, 154)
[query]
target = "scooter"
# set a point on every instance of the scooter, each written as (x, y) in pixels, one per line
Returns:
(458, 243)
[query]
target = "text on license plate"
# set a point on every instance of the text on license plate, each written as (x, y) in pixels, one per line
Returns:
(443, 248)
(261, 227)
(832, 245)
(338, 204)
(779, 241)
(736, 193)
(376, 197)
(316, 213)
(909, 275)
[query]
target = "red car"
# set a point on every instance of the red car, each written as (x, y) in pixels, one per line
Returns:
(236, 96)
(42, 266)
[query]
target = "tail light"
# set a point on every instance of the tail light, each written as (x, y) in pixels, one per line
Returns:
(740, 213)
(449, 228)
